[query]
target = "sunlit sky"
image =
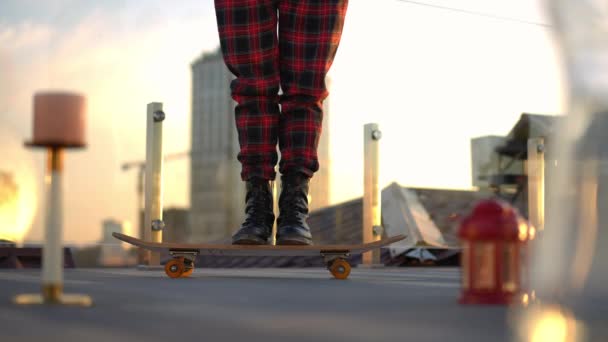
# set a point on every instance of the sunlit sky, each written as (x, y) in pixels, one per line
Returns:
(432, 79)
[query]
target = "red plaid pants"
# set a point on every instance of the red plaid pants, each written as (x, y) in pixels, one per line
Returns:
(294, 58)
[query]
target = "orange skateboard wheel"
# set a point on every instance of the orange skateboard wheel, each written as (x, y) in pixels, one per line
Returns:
(340, 269)
(175, 268)
(187, 273)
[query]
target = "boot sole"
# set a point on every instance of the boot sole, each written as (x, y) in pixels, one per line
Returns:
(294, 242)
(249, 241)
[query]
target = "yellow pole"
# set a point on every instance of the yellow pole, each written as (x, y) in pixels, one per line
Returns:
(154, 179)
(372, 230)
(536, 182)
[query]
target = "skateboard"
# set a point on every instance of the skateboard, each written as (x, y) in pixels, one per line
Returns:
(184, 254)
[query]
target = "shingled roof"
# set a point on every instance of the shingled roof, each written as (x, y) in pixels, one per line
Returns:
(447, 207)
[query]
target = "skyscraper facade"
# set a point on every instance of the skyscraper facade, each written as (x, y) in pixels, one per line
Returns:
(217, 192)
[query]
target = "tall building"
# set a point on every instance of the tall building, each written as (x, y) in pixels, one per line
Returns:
(176, 225)
(217, 192)
(111, 253)
(485, 162)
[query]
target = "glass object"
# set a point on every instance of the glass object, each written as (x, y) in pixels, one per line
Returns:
(465, 263)
(568, 246)
(510, 261)
(569, 267)
(483, 268)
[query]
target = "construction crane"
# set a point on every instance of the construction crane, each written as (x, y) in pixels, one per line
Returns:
(141, 166)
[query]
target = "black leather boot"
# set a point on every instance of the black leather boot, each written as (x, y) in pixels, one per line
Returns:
(292, 228)
(257, 227)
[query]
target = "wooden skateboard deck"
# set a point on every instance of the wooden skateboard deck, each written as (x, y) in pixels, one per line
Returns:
(184, 254)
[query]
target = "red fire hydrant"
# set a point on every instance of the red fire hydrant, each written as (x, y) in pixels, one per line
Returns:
(493, 237)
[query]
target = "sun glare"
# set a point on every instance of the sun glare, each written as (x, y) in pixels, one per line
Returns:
(553, 325)
(18, 190)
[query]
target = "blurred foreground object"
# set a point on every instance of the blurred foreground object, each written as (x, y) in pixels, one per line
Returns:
(59, 120)
(493, 238)
(570, 259)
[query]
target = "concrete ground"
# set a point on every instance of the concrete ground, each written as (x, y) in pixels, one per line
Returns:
(388, 304)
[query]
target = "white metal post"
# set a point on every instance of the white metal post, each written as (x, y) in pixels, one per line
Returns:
(154, 178)
(372, 230)
(536, 182)
(275, 209)
(52, 252)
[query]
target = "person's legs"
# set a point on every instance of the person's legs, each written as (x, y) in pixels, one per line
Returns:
(309, 35)
(248, 38)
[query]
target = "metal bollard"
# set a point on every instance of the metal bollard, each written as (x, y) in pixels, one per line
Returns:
(372, 216)
(536, 182)
(153, 214)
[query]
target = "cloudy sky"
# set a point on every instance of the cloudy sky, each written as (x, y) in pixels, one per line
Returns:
(431, 78)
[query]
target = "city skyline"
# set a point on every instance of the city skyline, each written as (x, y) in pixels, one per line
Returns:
(430, 78)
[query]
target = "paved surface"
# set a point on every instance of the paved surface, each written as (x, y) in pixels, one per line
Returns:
(389, 304)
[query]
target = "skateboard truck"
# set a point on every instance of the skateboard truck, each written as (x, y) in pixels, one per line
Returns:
(328, 257)
(186, 254)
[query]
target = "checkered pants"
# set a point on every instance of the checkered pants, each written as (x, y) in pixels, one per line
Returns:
(296, 58)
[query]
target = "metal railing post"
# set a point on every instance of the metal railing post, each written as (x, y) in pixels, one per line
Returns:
(536, 182)
(372, 229)
(153, 215)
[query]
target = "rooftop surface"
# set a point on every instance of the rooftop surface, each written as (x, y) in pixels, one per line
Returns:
(386, 304)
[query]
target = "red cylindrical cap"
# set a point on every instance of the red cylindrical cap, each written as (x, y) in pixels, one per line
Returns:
(493, 220)
(59, 119)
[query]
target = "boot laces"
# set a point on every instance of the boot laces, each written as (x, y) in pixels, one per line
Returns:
(258, 203)
(291, 205)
